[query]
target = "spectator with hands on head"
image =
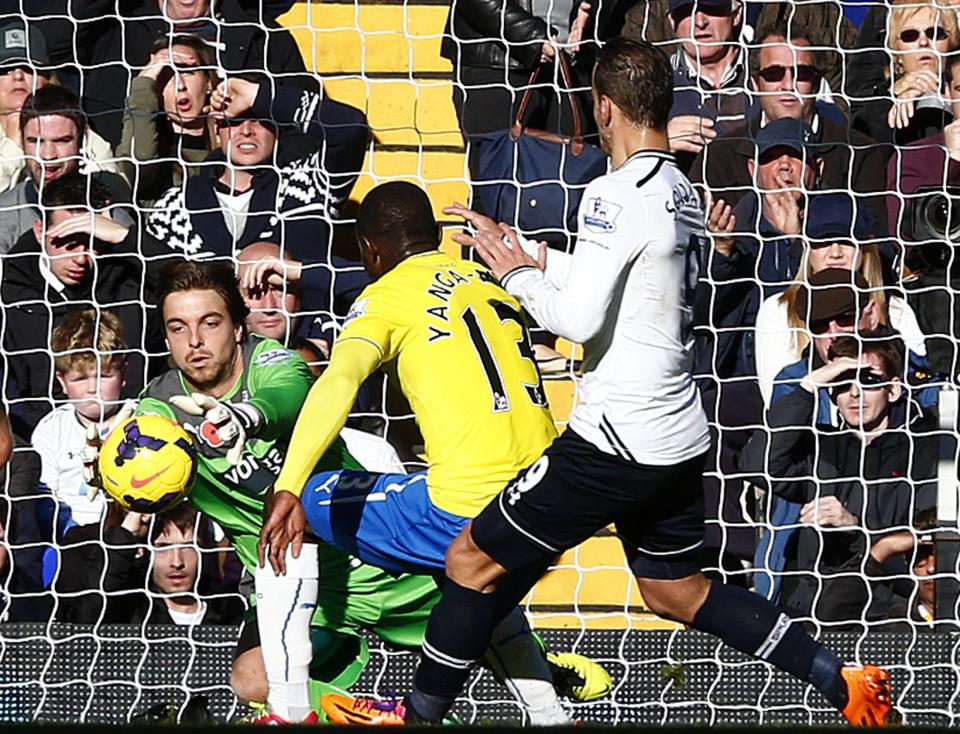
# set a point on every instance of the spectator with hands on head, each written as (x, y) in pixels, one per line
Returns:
(167, 129)
(286, 164)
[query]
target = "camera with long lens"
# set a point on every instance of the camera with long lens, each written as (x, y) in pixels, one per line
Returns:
(933, 226)
(932, 257)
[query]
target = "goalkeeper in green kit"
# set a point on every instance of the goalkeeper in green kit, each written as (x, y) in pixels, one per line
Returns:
(239, 395)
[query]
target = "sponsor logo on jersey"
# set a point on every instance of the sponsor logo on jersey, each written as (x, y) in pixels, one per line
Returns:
(601, 215)
(359, 308)
(273, 356)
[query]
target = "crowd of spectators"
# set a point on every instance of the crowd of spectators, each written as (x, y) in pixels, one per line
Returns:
(819, 135)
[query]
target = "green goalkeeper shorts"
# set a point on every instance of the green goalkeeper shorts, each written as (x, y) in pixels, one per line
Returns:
(355, 596)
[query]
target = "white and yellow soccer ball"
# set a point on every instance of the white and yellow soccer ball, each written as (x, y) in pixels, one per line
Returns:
(147, 463)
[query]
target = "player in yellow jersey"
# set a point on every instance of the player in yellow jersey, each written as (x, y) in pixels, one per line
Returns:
(462, 355)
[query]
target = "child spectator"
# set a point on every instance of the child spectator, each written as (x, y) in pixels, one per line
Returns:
(90, 366)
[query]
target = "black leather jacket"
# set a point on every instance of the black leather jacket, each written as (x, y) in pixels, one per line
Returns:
(508, 26)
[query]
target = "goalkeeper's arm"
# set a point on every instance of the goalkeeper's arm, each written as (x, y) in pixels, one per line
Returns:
(326, 410)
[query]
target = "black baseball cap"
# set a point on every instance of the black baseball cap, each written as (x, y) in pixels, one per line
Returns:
(787, 132)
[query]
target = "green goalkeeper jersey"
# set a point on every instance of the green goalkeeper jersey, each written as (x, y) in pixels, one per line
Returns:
(275, 381)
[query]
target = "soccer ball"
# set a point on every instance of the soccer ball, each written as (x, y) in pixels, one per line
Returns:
(147, 463)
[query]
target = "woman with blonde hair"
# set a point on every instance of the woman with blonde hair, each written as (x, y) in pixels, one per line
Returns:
(167, 130)
(835, 229)
(921, 34)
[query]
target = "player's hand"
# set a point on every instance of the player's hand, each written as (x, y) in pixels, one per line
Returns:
(284, 525)
(224, 424)
(90, 456)
(233, 97)
(493, 238)
(690, 133)
(828, 512)
(99, 227)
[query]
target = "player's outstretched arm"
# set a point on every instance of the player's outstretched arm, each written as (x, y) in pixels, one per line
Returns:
(323, 415)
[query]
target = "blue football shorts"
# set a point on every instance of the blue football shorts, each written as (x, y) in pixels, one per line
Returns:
(386, 520)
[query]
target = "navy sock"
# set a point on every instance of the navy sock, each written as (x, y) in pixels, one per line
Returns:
(751, 624)
(458, 633)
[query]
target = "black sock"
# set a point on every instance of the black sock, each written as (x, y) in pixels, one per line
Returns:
(751, 624)
(458, 634)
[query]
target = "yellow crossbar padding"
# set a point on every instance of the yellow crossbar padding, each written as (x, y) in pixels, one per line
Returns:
(335, 38)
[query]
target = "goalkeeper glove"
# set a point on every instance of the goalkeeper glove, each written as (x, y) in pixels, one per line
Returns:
(224, 424)
(91, 451)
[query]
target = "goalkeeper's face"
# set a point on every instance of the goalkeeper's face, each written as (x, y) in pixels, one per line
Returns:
(204, 341)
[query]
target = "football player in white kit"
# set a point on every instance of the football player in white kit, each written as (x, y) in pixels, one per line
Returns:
(634, 449)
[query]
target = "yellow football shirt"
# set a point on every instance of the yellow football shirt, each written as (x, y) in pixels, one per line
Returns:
(464, 362)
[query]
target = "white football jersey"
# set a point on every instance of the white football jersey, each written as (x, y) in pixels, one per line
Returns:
(59, 439)
(626, 294)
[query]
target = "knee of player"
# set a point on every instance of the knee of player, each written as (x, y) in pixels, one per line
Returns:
(468, 565)
(248, 677)
(678, 600)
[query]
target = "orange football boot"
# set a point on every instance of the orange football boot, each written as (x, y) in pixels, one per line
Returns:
(350, 711)
(869, 695)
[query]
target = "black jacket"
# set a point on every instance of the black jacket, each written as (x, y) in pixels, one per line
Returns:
(95, 564)
(883, 484)
(519, 35)
(33, 308)
(113, 52)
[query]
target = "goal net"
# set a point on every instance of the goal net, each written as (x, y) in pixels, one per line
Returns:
(384, 58)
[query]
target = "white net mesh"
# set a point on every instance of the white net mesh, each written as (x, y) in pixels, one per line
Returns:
(61, 655)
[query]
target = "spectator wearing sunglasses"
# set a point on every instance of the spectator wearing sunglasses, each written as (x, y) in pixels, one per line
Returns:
(832, 302)
(837, 234)
(787, 77)
(921, 35)
(855, 483)
(649, 20)
(709, 74)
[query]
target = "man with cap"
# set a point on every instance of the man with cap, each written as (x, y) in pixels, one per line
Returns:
(854, 484)
(25, 69)
(786, 73)
(268, 182)
(744, 270)
(756, 249)
(707, 68)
